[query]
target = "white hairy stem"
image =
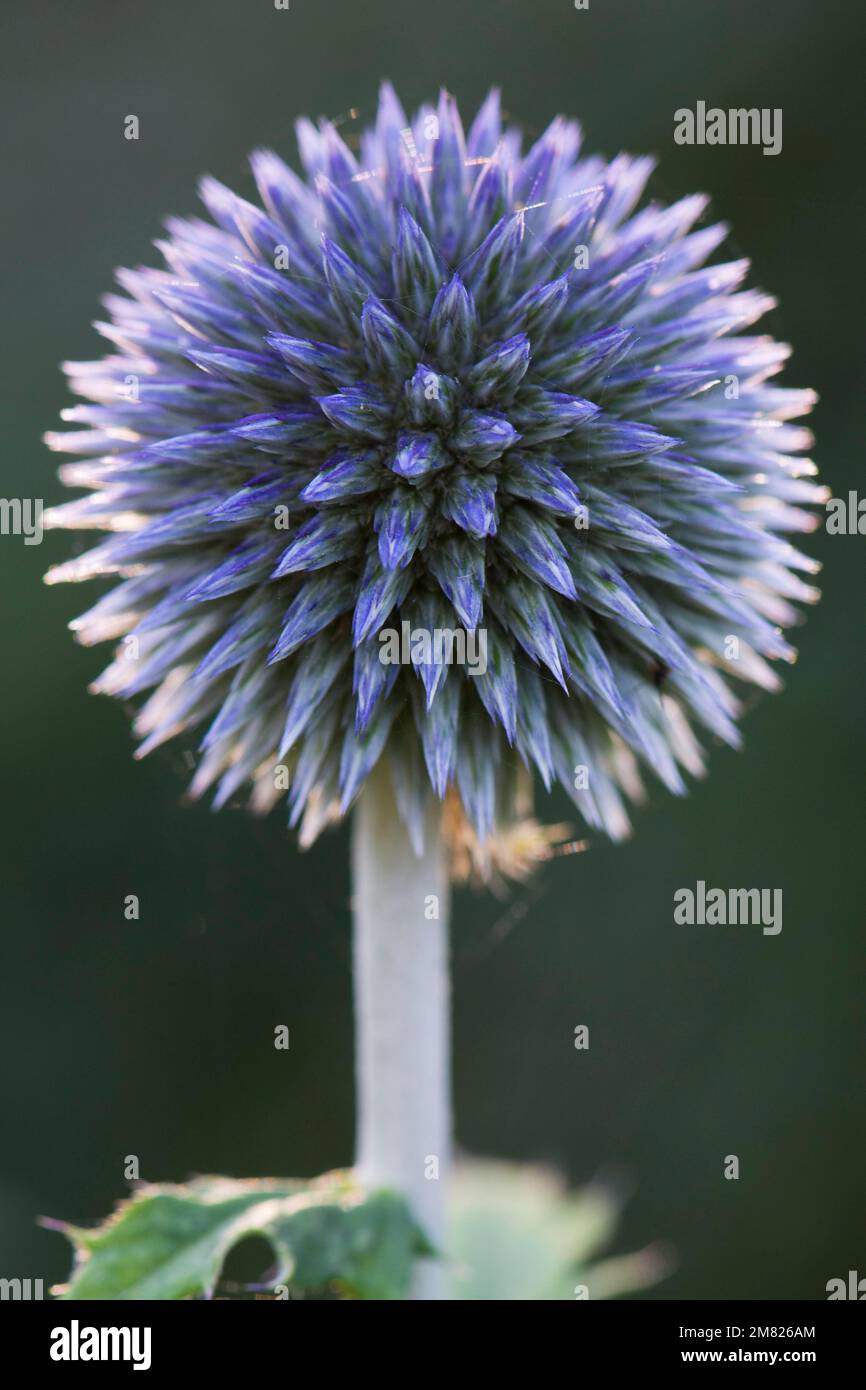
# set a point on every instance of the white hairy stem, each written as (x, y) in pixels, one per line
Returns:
(402, 1009)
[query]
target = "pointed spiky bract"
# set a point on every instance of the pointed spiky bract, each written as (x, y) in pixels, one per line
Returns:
(447, 384)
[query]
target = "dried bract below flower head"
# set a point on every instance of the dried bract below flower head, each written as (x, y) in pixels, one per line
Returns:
(441, 391)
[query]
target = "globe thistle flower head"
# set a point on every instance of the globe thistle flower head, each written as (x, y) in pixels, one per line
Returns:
(443, 384)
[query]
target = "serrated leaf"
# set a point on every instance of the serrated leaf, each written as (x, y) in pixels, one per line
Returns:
(170, 1242)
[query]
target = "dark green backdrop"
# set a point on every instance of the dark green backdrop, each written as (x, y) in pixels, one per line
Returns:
(155, 1038)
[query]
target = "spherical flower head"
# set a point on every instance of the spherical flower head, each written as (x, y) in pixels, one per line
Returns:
(447, 454)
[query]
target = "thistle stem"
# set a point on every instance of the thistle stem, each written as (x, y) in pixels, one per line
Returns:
(402, 1045)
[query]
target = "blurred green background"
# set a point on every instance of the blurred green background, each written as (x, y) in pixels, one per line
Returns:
(156, 1038)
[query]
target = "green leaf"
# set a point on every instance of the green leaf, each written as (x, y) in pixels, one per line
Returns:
(516, 1234)
(171, 1242)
